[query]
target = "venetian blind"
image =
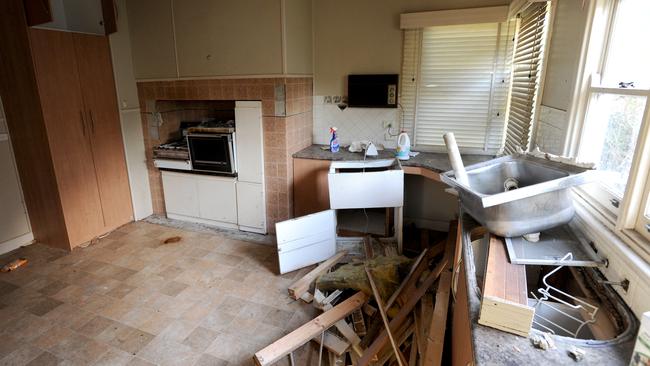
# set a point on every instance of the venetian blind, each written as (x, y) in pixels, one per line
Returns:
(527, 65)
(455, 79)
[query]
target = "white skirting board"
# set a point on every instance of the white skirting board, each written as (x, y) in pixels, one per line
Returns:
(15, 243)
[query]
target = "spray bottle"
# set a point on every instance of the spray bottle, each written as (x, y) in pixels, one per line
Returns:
(334, 142)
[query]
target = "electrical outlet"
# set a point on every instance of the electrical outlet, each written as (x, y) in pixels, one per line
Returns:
(336, 99)
(387, 124)
(327, 99)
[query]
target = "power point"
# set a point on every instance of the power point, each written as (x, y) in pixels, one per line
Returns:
(387, 124)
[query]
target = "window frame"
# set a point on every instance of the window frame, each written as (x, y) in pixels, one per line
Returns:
(628, 219)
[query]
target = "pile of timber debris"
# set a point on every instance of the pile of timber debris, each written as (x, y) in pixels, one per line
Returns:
(379, 310)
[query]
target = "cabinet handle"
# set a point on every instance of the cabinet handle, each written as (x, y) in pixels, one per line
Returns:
(83, 122)
(92, 122)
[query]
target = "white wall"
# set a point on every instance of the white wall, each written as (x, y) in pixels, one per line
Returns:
(14, 222)
(130, 116)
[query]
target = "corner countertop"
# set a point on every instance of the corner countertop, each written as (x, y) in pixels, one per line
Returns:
(436, 162)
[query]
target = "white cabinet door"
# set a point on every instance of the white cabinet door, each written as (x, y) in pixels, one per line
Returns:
(181, 196)
(250, 144)
(306, 240)
(217, 198)
(251, 208)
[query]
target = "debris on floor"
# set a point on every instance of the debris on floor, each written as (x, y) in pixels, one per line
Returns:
(380, 309)
(13, 265)
(172, 239)
(577, 354)
(543, 341)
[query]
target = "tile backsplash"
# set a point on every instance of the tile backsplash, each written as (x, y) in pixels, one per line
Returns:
(354, 124)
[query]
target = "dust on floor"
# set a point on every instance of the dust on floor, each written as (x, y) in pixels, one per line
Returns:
(131, 300)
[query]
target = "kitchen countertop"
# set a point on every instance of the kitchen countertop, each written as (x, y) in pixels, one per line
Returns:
(494, 347)
(436, 162)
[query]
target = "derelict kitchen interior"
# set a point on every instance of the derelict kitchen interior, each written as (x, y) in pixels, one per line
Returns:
(304, 182)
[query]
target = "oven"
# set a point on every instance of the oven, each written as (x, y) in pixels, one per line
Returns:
(213, 152)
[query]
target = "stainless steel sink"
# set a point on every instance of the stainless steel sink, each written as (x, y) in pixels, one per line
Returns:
(541, 200)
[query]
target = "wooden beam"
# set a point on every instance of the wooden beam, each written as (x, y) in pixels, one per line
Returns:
(302, 285)
(308, 331)
(505, 304)
(436, 334)
(384, 318)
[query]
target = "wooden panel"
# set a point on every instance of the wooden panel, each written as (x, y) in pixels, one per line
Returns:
(306, 240)
(310, 189)
(68, 136)
(100, 101)
(505, 304)
(38, 11)
(25, 123)
(462, 350)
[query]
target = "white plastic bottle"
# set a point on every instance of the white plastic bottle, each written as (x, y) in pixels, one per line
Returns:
(403, 146)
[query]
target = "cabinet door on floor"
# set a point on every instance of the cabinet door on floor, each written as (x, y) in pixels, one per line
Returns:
(68, 133)
(217, 199)
(100, 100)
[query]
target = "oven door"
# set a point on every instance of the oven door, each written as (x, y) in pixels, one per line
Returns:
(212, 152)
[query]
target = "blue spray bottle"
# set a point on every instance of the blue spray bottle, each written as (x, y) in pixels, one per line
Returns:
(334, 142)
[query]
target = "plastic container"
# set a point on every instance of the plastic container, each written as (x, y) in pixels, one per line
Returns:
(403, 146)
(334, 142)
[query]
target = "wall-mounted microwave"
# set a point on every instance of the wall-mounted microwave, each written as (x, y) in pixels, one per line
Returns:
(373, 91)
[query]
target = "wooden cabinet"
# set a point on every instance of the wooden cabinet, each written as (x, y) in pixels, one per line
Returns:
(310, 186)
(61, 109)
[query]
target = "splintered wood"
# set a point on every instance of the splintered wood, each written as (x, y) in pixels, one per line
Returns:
(406, 330)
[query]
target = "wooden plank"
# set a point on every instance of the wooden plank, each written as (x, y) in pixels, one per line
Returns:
(411, 297)
(384, 318)
(462, 348)
(436, 333)
(308, 331)
(419, 266)
(302, 285)
(505, 303)
(359, 323)
(333, 343)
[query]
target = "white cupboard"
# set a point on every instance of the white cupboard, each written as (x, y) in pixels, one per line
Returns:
(250, 207)
(200, 198)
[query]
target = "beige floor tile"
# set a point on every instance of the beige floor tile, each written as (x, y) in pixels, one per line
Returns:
(52, 337)
(173, 288)
(209, 360)
(21, 356)
(164, 351)
(45, 359)
(95, 326)
(114, 357)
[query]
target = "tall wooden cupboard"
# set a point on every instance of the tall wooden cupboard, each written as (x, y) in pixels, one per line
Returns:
(61, 108)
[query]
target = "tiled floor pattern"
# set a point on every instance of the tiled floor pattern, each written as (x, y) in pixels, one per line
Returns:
(131, 300)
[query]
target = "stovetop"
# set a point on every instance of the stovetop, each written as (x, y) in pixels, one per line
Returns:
(213, 126)
(175, 145)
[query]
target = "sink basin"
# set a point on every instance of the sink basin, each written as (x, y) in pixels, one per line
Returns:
(538, 198)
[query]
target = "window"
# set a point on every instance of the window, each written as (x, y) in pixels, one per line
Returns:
(464, 78)
(610, 122)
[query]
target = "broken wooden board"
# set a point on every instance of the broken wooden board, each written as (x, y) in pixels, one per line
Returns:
(308, 331)
(302, 285)
(333, 343)
(387, 272)
(505, 303)
(435, 339)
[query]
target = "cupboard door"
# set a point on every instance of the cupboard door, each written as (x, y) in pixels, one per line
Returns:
(100, 100)
(250, 145)
(181, 195)
(68, 134)
(306, 240)
(251, 208)
(217, 198)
